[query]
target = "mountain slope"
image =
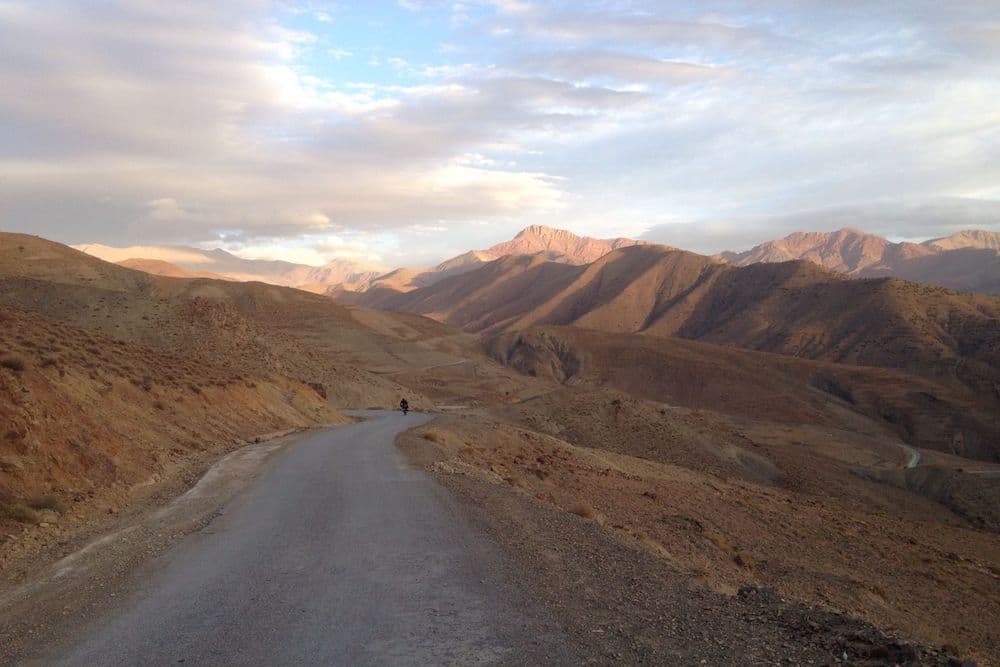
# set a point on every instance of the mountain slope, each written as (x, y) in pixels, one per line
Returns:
(85, 411)
(158, 267)
(556, 245)
(248, 327)
(225, 265)
(967, 261)
(760, 386)
(574, 249)
(795, 308)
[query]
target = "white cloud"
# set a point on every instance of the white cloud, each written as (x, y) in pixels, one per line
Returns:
(150, 122)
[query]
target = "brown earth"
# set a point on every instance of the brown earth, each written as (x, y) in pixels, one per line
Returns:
(248, 327)
(650, 478)
(92, 424)
(793, 308)
(883, 555)
(115, 382)
(625, 605)
(762, 386)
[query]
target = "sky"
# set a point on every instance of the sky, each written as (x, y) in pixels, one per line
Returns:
(403, 132)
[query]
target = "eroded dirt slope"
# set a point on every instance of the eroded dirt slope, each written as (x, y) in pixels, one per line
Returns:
(90, 424)
(761, 386)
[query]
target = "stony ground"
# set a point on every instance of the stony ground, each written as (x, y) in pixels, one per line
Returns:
(624, 606)
(668, 536)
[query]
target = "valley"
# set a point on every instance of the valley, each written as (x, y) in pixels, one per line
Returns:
(773, 451)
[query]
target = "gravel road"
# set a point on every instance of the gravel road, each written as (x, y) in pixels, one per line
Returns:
(339, 553)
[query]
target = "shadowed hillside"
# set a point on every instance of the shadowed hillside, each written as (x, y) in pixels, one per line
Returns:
(761, 386)
(793, 308)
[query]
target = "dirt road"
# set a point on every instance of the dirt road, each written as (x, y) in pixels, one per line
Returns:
(339, 553)
(912, 456)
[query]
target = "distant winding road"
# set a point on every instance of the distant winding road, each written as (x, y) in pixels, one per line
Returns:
(338, 554)
(912, 454)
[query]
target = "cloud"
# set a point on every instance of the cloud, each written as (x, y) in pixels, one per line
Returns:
(181, 127)
(584, 65)
(260, 124)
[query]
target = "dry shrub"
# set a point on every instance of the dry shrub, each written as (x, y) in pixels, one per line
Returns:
(433, 435)
(719, 541)
(515, 480)
(744, 560)
(46, 502)
(585, 511)
(15, 364)
(18, 513)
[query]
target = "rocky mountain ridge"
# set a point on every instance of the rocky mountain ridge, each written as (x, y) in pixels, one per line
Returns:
(968, 260)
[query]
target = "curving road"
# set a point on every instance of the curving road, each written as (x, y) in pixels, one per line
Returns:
(912, 456)
(339, 554)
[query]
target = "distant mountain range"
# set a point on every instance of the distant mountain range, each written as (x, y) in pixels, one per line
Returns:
(967, 261)
(557, 245)
(184, 261)
(795, 308)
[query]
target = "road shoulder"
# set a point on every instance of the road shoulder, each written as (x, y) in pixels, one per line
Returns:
(87, 577)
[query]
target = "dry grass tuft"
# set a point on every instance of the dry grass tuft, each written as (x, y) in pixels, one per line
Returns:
(46, 502)
(18, 513)
(743, 559)
(433, 435)
(719, 541)
(587, 512)
(15, 364)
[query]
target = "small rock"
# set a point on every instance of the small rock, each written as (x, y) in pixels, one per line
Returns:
(48, 516)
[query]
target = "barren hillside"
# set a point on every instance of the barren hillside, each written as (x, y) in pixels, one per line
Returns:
(554, 245)
(777, 510)
(793, 308)
(115, 382)
(760, 386)
(92, 423)
(247, 327)
(966, 261)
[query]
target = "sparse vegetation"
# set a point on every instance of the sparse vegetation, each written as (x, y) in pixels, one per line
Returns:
(18, 513)
(433, 435)
(13, 363)
(45, 502)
